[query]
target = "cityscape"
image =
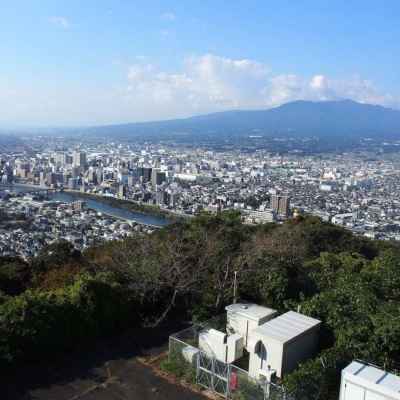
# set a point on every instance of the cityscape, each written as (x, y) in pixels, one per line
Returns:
(356, 190)
(199, 200)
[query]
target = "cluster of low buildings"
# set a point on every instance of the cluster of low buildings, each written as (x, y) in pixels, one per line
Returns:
(29, 223)
(358, 190)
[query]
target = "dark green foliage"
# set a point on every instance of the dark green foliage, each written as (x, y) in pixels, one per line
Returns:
(318, 378)
(37, 324)
(55, 255)
(15, 276)
(186, 270)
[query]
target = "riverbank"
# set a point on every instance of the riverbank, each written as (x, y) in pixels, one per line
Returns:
(130, 205)
(126, 209)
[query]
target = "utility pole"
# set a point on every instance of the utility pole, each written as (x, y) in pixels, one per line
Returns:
(235, 288)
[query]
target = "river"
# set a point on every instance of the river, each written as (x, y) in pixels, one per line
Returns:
(117, 212)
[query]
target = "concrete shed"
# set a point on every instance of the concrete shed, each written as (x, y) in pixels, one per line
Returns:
(282, 343)
(361, 381)
(244, 318)
(221, 346)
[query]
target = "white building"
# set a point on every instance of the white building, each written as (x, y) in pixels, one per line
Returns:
(258, 216)
(361, 381)
(218, 344)
(282, 343)
(244, 318)
(274, 343)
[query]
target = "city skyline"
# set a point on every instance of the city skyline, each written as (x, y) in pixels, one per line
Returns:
(72, 64)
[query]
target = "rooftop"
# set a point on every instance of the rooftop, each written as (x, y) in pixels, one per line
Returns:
(374, 375)
(287, 326)
(250, 311)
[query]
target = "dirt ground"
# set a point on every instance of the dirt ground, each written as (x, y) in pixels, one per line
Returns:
(110, 370)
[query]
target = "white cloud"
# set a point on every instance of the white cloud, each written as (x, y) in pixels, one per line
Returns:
(62, 22)
(282, 89)
(207, 82)
(202, 84)
(168, 16)
(355, 88)
(212, 83)
(318, 82)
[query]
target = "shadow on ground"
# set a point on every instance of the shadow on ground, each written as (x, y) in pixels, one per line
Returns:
(108, 370)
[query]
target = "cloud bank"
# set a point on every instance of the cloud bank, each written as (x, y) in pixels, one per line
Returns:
(202, 84)
(213, 83)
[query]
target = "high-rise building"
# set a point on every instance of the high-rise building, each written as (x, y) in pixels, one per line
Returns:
(51, 178)
(280, 204)
(79, 159)
(99, 173)
(60, 158)
(161, 197)
(92, 176)
(145, 174)
(131, 180)
(75, 172)
(73, 183)
(42, 178)
(22, 168)
(122, 191)
(157, 177)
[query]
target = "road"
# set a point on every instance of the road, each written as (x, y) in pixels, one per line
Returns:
(108, 371)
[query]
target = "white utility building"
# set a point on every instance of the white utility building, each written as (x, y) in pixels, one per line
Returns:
(276, 344)
(221, 346)
(244, 318)
(361, 381)
(282, 343)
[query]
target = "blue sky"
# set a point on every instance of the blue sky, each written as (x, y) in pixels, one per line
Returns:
(94, 62)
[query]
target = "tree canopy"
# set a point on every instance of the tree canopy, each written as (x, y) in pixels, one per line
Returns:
(63, 298)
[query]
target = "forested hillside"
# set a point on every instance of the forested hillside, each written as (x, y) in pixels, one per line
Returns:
(63, 299)
(342, 118)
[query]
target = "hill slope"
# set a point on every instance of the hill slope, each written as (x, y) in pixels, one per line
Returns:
(343, 118)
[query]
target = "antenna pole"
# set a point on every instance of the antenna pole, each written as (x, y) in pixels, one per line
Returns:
(235, 288)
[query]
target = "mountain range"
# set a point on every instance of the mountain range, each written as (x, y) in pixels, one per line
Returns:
(344, 118)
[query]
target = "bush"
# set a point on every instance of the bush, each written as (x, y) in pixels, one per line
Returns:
(176, 365)
(38, 324)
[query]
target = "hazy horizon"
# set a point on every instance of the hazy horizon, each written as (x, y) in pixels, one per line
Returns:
(28, 127)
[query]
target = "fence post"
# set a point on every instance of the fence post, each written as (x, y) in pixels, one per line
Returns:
(212, 373)
(228, 382)
(198, 366)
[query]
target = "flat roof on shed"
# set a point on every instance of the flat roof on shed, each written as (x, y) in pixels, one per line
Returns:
(373, 376)
(287, 326)
(250, 311)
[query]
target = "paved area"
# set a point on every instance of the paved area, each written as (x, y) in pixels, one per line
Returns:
(109, 371)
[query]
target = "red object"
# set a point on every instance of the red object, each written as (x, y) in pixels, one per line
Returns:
(233, 383)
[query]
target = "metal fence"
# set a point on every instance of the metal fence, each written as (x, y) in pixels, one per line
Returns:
(213, 374)
(227, 380)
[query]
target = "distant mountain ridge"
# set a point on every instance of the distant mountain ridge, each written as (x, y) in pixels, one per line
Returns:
(344, 118)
